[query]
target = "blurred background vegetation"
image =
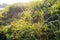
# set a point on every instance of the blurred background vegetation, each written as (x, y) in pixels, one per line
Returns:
(33, 21)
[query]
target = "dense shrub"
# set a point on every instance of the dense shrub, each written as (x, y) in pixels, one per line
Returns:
(36, 21)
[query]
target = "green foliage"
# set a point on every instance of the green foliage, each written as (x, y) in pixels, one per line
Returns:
(35, 21)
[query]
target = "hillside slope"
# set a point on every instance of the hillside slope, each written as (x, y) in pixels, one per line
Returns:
(33, 21)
